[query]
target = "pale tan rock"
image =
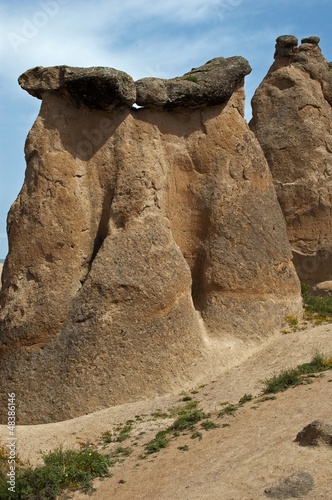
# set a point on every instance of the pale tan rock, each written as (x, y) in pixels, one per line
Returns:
(132, 226)
(322, 289)
(292, 119)
(325, 286)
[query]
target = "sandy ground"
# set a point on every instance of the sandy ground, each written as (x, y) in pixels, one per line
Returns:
(230, 463)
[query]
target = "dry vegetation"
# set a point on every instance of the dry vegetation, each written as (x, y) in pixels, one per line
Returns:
(199, 430)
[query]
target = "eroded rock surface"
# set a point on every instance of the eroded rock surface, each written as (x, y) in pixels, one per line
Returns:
(97, 87)
(138, 236)
(292, 119)
(315, 434)
(297, 485)
(212, 84)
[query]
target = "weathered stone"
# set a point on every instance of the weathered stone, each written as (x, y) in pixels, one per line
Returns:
(286, 47)
(322, 289)
(295, 486)
(131, 227)
(292, 120)
(311, 39)
(97, 88)
(210, 84)
(315, 434)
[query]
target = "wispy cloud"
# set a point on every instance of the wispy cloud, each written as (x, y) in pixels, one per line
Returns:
(113, 34)
(142, 37)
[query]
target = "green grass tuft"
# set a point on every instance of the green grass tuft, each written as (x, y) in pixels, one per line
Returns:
(191, 78)
(158, 443)
(197, 435)
(208, 425)
(245, 399)
(228, 410)
(283, 381)
(125, 431)
(318, 309)
(62, 470)
(188, 420)
(183, 448)
(187, 417)
(297, 376)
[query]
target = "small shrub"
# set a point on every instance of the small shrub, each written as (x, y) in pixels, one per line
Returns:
(188, 420)
(120, 451)
(245, 399)
(188, 416)
(292, 321)
(266, 398)
(62, 470)
(191, 78)
(159, 442)
(208, 425)
(197, 435)
(125, 431)
(159, 414)
(298, 375)
(107, 437)
(319, 363)
(183, 448)
(228, 410)
(318, 309)
(183, 410)
(282, 381)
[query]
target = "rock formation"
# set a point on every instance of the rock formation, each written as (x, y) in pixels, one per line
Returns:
(138, 236)
(292, 119)
(315, 434)
(298, 485)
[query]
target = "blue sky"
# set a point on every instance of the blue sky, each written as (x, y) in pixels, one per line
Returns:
(142, 37)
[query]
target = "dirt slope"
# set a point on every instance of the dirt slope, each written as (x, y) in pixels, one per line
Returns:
(236, 462)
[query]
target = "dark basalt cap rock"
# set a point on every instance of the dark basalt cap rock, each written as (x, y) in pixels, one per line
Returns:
(314, 434)
(286, 46)
(209, 85)
(96, 87)
(314, 40)
(106, 88)
(287, 41)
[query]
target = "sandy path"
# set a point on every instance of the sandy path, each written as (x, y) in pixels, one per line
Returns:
(236, 462)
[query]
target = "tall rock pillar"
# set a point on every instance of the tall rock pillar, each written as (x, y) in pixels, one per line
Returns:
(140, 241)
(292, 119)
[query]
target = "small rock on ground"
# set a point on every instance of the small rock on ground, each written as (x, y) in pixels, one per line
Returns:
(295, 486)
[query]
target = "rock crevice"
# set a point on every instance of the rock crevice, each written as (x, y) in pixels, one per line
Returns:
(292, 119)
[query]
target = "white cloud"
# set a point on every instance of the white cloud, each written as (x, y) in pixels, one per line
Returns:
(99, 33)
(161, 38)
